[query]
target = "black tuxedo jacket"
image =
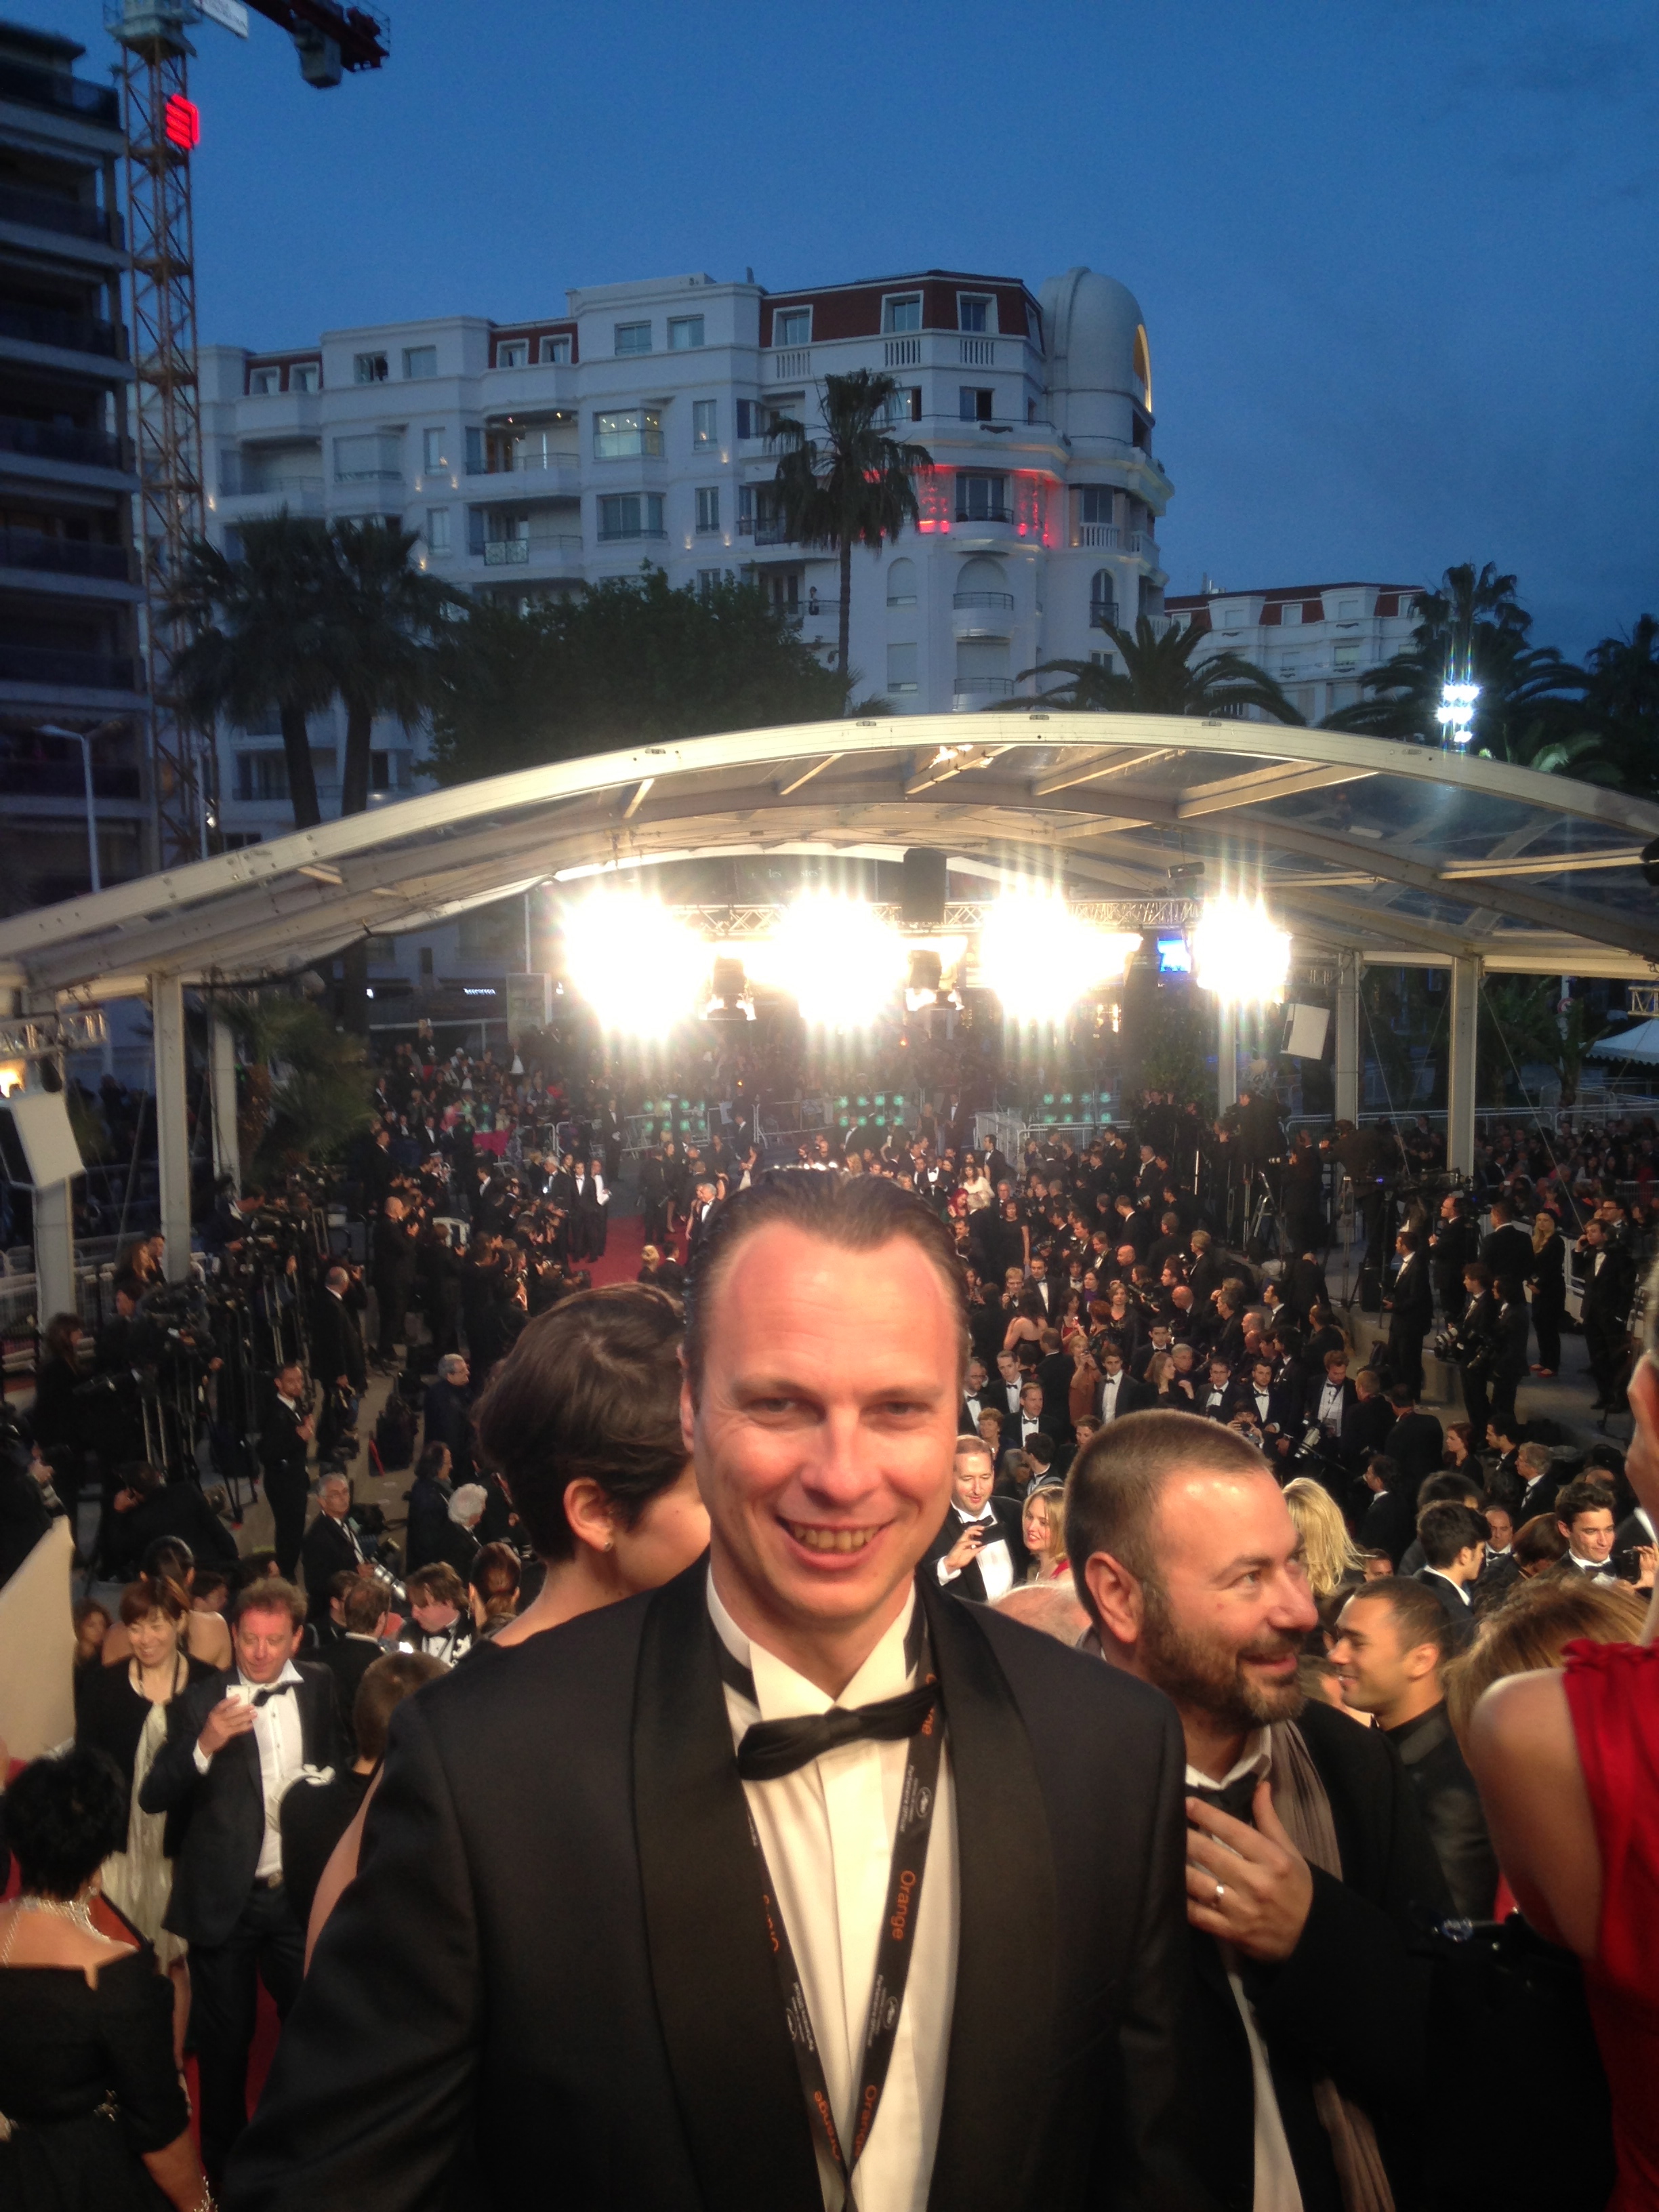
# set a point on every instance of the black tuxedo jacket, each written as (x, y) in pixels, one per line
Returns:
(225, 1808)
(1132, 1397)
(1411, 1300)
(1415, 1444)
(282, 1449)
(970, 1583)
(571, 1952)
(1355, 1939)
(325, 1552)
(336, 1346)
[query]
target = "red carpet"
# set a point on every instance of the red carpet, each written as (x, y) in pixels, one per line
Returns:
(624, 1241)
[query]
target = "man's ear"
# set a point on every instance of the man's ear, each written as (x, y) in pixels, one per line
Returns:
(687, 1407)
(1119, 1604)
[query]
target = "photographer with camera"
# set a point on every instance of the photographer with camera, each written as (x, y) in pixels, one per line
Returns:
(1470, 1343)
(338, 1356)
(392, 1247)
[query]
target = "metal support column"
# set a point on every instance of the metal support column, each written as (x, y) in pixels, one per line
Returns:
(1226, 1055)
(1461, 1064)
(1347, 1067)
(226, 1155)
(54, 1250)
(166, 1007)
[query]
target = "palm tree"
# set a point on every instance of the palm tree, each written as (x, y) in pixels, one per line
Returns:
(852, 487)
(256, 638)
(1475, 630)
(382, 619)
(1621, 702)
(1158, 678)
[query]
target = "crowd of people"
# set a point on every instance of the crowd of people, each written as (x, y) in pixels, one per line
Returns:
(876, 1371)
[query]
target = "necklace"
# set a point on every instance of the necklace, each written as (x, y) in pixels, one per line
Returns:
(78, 1911)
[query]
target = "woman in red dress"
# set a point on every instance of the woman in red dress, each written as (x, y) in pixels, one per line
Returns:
(1568, 1766)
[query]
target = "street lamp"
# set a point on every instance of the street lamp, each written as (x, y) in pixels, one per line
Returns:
(52, 730)
(1456, 712)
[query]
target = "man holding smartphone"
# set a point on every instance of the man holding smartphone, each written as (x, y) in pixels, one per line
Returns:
(979, 1553)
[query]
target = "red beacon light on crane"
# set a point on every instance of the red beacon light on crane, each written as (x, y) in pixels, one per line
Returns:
(182, 123)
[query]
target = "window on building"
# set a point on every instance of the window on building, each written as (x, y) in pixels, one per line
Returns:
(1289, 666)
(1346, 657)
(556, 350)
(512, 353)
(1030, 410)
(629, 435)
(974, 403)
(633, 338)
(684, 333)
(1232, 617)
(703, 420)
(380, 771)
(262, 382)
(900, 669)
(709, 582)
(901, 311)
(432, 452)
(1095, 504)
(709, 509)
(1347, 611)
(1102, 600)
(262, 777)
(792, 326)
(982, 498)
(305, 376)
(901, 583)
(437, 529)
(976, 311)
(369, 368)
(1291, 613)
(631, 515)
(420, 361)
(903, 405)
(426, 964)
(375, 457)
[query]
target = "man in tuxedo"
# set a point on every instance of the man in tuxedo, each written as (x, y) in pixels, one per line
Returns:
(1119, 1393)
(1507, 1247)
(627, 1956)
(1584, 1514)
(393, 1250)
(1213, 1396)
(331, 1545)
(1454, 1541)
(1332, 1400)
(338, 1358)
(1540, 1486)
(1050, 1294)
(1416, 1442)
(1410, 1303)
(284, 1443)
(1189, 1564)
(979, 1552)
(235, 1744)
(1608, 1276)
(974, 1398)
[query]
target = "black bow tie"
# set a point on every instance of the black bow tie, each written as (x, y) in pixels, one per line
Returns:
(275, 1690)
(772, 1749)
(1236, 1797)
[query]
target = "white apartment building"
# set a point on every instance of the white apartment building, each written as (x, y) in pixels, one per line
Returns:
(1315, 640)
(535, 458)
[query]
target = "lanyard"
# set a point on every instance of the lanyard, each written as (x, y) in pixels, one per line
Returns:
(915, 1822)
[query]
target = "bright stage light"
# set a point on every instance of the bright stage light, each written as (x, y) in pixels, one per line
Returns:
(638, 966)
(1040, 959)
(838, 960)
(1456, 712)
(1239, 951)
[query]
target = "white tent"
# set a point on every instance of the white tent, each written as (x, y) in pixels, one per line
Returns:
(1640, 1044)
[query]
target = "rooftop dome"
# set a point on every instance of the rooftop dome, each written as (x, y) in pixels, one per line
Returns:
(1097, 339)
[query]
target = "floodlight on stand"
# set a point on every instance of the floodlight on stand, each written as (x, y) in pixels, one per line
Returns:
(728, 995)
(1456, 712)
(1040, 959)
(1240, 952)
(927, 973)
(839, 961)
(638, 966)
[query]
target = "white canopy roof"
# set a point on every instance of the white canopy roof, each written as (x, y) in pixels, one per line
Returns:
(1398, 853)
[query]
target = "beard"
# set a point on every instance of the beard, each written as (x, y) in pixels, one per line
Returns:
(1209, 1674)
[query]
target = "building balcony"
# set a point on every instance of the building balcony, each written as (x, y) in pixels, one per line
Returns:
(792, 365)
(522, 552)
(1106, 538)
(765, 529)
(68, 218)
(972, 691)
(66, 779)
(68, 671)
(49, 441)
(63, 331)
(57, 88)
(241, 500)
(982, 614)
(65, 557)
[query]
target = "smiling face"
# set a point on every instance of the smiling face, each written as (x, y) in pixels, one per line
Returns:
(823, 1431)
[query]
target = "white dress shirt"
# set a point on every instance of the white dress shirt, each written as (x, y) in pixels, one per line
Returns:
(1450, 1582)
(1277, 2189)
(279, 1742)
(1330, 1409)
(1109, 1392)
(827, 1830)
(996, 1567)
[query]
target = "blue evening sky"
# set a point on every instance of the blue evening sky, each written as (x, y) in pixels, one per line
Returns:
(1396, 257)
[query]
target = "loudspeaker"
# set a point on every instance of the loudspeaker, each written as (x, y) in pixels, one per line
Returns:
(42, 1142)
(922, 894)
(1651, 864)
(1305, 1031)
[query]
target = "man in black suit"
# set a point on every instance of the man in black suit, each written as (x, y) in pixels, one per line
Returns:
(234, 1743)
(1416, 1442)
(1119, 1392)
(447, 1412)
(1163, 1511)
(147, 1506)
(1540, 1486)
(1454, 1541)
(979, 1552)
(338, 1358)
(1607, 1274)
(1507, 1248)
(1410, 1304)
(1332, 1400)
(284, 1445)
(331, 1545)
(1475, 1331)
(514, 1948)
(350, 1658)
(1455, 1243)
(393, 1250)
(974, 1398)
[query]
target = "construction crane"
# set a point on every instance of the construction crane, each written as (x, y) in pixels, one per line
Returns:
(161, 131)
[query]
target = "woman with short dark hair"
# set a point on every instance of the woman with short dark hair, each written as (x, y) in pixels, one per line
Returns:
(582, 1425)
(91, 2095)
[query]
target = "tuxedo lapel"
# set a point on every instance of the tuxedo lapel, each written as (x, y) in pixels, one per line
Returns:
(1005, 1971)
(718, 1998)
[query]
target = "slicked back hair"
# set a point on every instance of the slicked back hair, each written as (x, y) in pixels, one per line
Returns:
(1419, 1615)
(858, 1213)
(1116, 1481)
